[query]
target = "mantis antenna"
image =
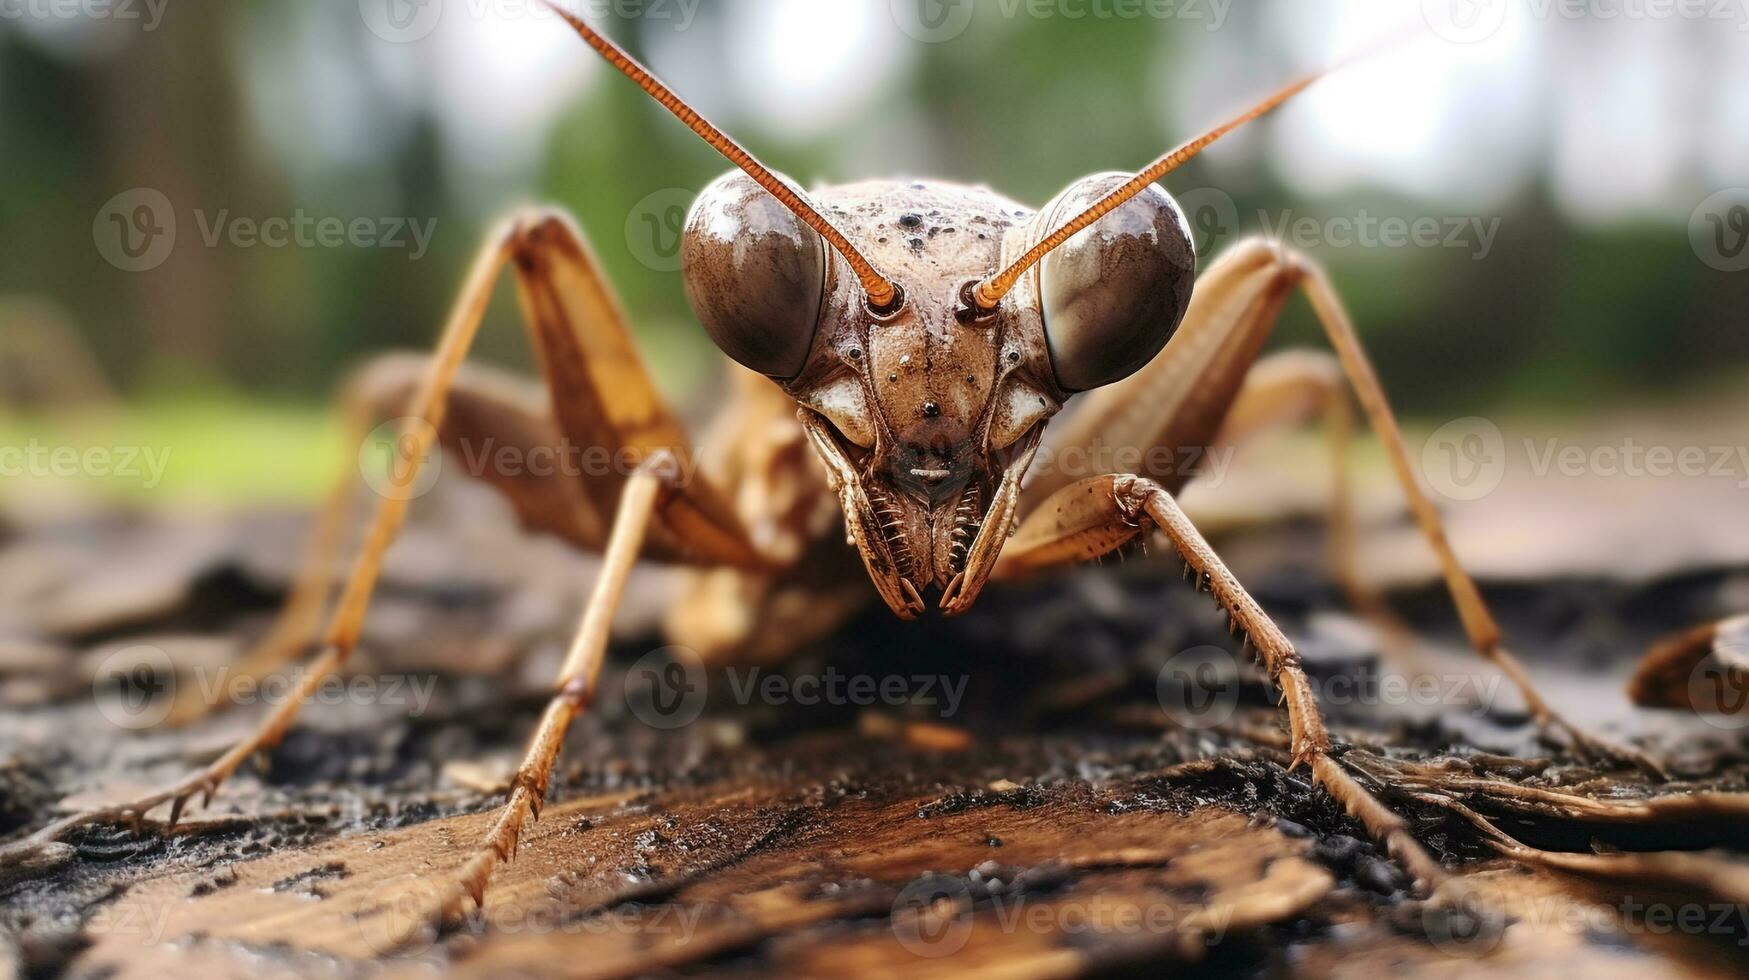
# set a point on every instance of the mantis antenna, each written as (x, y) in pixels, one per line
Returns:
(990, 292)
(882, 294)
(985, 295)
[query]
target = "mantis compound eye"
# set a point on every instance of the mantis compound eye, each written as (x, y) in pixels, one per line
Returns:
(755, 275)
(1114, 293)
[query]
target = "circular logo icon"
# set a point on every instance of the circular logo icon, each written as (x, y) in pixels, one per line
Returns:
(135, 687)
(655, 225)
(401, 459)
(933, 21)
(1718, 230)
(135, 230)
(1718, 689)
(1468, 921)
(402, 925)
(1465, 21)
(401, 21)
(1465, 459)
(667, 688)
(932, 916)
(1199, 687)
(1213, 219)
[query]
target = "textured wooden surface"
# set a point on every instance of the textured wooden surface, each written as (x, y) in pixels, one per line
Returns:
(1053, 823)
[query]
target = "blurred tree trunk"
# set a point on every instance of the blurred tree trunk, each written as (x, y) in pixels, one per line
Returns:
(180, 133)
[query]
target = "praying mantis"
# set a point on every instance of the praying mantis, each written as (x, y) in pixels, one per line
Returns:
(902, 349)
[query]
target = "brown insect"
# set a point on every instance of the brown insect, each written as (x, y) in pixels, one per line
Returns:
(907, 345)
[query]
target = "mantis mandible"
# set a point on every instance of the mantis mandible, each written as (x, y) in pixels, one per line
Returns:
(903, 347)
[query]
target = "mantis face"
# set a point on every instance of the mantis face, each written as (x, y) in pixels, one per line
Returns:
(927, 411)
(928, 332)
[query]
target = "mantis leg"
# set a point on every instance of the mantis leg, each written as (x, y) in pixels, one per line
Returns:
(602, 399)
(1091, 518)
(574, 689)
(1298, 386)
(1182, 398)
(1478, 622)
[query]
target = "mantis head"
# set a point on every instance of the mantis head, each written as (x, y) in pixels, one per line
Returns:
(927, 412)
